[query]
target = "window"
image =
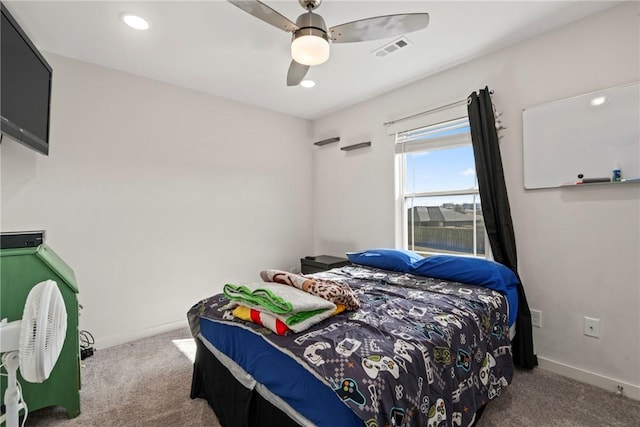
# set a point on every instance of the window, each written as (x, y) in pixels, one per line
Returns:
(441, 209)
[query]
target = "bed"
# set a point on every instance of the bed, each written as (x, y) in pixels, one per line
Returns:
(420, 351)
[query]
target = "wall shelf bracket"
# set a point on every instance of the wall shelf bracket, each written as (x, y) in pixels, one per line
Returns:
(356, 146)
(327, 141)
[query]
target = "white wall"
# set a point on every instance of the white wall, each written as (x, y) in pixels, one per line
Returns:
(579, 248)
(156, 196)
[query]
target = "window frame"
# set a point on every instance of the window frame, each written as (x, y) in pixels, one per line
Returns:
(406, 199)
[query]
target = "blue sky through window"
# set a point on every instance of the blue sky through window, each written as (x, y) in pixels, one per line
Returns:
(441, 170)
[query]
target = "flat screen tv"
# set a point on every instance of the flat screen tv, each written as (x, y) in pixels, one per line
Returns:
(25, 87)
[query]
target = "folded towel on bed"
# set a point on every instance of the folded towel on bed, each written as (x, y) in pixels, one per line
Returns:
(297, 309)
(260, 296)
(336, 292)
(267, 320)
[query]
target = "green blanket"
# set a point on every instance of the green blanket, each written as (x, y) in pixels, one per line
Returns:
(262, 297)
(292, 306)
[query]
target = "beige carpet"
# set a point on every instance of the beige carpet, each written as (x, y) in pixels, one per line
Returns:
(147, 383)
(139, 384)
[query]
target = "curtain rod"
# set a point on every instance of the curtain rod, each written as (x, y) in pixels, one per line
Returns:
(433, 110)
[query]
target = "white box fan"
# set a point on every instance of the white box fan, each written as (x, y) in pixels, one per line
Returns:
(32, 344)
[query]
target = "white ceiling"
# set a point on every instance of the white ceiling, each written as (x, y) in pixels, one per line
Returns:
(214, 47)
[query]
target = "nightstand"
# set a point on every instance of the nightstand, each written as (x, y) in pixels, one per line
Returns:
(316, 264)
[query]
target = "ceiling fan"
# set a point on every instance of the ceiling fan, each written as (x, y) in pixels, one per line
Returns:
(310, 37)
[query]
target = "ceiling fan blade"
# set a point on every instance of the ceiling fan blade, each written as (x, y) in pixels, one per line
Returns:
(296, 73)
(265, 13)
(379, 27)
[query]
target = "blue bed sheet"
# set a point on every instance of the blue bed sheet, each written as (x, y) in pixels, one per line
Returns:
(267, 365)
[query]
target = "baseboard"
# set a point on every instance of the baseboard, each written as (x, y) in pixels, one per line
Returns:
(139, 334)
(631, 391)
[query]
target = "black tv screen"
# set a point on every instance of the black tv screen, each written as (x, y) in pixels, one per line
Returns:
(25, 87)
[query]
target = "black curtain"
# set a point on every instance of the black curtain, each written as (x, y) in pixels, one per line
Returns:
(497, 213)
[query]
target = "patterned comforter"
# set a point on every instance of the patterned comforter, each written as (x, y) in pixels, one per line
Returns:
(419, 352)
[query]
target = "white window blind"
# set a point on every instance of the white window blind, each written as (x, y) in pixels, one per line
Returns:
(441, 114)
(447, 134)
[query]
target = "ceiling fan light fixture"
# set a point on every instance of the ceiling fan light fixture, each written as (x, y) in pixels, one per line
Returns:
(310, 46)
(311, 39)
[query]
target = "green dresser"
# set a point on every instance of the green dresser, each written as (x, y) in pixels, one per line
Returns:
(20, 270)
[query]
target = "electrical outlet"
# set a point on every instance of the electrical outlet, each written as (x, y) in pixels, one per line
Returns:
(592, 327)
(536, 318)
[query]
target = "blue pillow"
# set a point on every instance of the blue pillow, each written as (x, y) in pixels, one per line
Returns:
(473, 271)
(386, 259)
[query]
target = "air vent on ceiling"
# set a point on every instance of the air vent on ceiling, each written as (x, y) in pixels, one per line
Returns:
(392, 47)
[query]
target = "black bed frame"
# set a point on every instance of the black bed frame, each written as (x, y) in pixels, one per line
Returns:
(234, 404)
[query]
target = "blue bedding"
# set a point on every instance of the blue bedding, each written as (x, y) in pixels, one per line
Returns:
(462, 269)
(420, 351)
(473, 271)
(267, 365)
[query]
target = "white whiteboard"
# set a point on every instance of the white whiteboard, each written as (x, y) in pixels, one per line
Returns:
(565, 138)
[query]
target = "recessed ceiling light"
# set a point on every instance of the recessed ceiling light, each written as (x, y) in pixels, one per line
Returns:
(134, 21)
(307, 83)
(598, 101)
